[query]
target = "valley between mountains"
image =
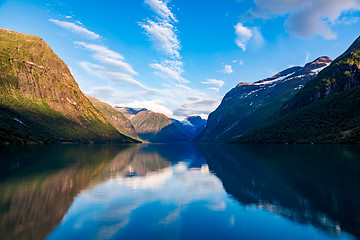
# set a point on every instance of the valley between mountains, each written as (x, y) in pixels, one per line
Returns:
(40, 102)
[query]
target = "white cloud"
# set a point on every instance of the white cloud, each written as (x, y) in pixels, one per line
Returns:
(171, 69)
(68, 17)
(101, 91)
(218, 83)
(116, 77)
(108, 57)
(214, 89)
(121, 65)
(306, 18)
(122, 78)
(258, 37)
(205, 107)
(154, 105)
(119, 96)
(347, 20)
(164, 38)
(185, 100)
(100, 51)
(241, 62)
(307, 57)
(161, 9)
(91, 68)
(184, 87)
(227, 69)
(243, 35)
(75, 28)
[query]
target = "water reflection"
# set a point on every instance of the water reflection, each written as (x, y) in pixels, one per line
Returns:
(307, 184)
(38, 184)
(180, 191)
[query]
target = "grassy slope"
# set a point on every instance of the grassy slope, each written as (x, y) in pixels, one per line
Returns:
(116, 118)
(335, 119)
(156, 127)
(36, 87)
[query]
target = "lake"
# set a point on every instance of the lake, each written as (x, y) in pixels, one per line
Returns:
(180, 191)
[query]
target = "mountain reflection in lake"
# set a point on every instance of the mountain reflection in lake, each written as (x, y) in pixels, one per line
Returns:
(180, 191)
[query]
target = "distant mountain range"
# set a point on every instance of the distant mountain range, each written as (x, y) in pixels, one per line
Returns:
(156, 127)
(191, 127)
(249, 105)
(115, 117)
(129, 112)
(40, 100)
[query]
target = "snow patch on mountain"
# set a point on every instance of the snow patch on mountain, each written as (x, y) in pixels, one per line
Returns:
(317, 70)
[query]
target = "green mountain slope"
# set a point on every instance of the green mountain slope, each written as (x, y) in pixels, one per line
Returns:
(116, 118)
(249, 105)
(156, 127)
(324, 111)
(40, 100)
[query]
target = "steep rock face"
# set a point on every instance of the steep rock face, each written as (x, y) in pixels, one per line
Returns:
(40, 100)
(115, 117)
(191, 127)
(248, 105)
(156, 127)
(324, 111)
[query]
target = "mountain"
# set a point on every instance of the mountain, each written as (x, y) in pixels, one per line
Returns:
(115, 117)
(324, 111)
(156, 127)
(248, 105)
(129, 112)
(191, 127)
(40, 100)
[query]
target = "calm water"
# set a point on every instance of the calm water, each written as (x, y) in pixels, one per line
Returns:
(180, 191)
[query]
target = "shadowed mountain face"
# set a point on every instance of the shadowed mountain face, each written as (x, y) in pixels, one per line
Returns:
(177, 190)
(40, 100)
(156, 127)
(115, 117)
(248, 105)
(191, 127)
(324, 111)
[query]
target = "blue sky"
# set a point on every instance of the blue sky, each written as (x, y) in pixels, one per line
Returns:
(180, 57)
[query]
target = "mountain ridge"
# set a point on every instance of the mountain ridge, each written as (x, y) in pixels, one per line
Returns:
(115, 117)
(156, 127)
(324, 111)
(39, 99)
(248, 105)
